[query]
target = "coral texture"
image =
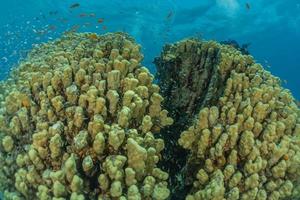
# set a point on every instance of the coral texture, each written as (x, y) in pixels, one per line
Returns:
(79, 116)
(78, 122)
(244, 142)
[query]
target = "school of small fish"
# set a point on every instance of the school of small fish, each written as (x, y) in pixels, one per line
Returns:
(41, 28)
(43, 32)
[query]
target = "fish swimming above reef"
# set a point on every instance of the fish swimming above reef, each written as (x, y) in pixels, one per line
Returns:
(75, 5)
(73, 29)
(40, 32)
(63, 20)
(248, 7)
(100, 20)
(52, 27)
(4, 59)
(82, 15)
(87, 24)
(170, 15)
(53, 12)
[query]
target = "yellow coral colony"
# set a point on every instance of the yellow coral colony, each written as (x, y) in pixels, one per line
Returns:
(79, 121)
(245, 141)
(248, 142)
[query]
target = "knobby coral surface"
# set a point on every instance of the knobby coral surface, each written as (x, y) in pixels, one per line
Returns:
(78, 121)
(243, 129)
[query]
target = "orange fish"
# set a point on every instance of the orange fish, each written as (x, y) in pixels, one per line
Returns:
(104, 27)
(51, 27)
(93, 36)
(82, 15)
(100, 20)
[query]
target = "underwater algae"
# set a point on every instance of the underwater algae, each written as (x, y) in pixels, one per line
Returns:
(82, 119)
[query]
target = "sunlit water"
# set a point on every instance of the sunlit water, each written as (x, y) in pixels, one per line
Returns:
(270, 26)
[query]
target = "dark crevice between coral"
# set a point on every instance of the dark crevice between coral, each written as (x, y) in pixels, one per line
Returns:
(187, 73)
(243, 48)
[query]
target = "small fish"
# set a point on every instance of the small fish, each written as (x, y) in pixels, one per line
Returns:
(170, 15)
(51, 27)
(86, 24)
(4, 59)
(92, 14)
(248, 7)
(82, 15)
(63, 20)
(100, 20)
(104, 27)
(53, 12)
(75, 5)
(285, 81)
(74, 28)
(39, 32)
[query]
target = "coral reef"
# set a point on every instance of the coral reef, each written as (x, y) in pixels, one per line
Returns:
(243, 135)
(77, 121)
(81, 118)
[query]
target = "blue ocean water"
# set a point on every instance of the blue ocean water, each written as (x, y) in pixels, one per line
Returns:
(271, 27)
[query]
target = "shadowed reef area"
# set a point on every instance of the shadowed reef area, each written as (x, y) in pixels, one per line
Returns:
(82, 119)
